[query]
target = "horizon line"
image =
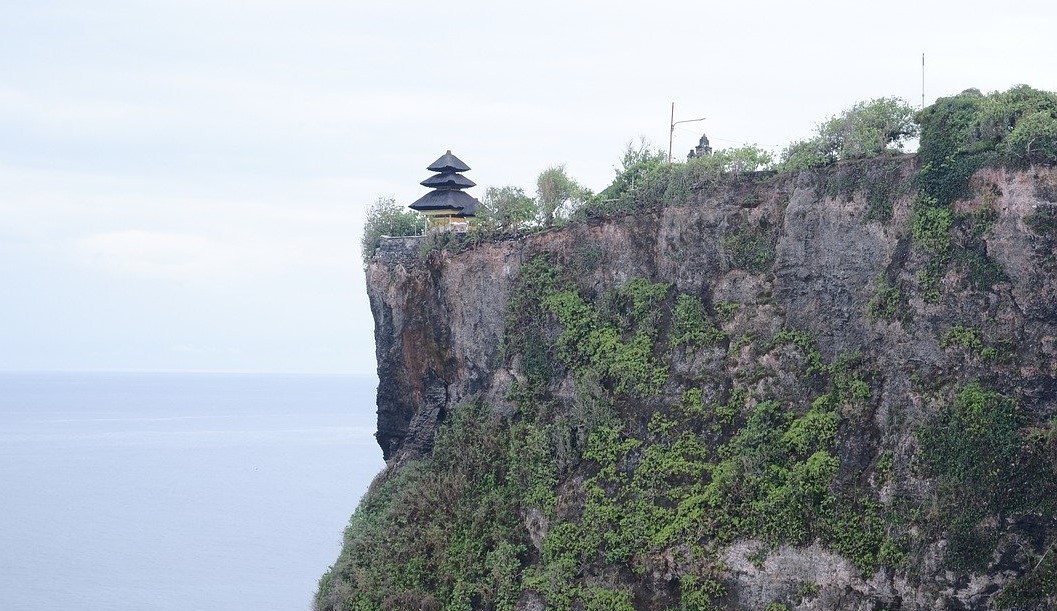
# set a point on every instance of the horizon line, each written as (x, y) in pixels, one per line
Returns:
(194, 371)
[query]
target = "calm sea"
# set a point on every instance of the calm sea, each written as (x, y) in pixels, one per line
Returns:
(190, 492)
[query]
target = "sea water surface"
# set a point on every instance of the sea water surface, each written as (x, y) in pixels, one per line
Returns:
(177, 491)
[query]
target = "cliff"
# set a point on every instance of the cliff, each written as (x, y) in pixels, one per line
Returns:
(796, 391)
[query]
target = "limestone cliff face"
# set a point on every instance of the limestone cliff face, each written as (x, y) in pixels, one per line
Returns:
(829, 254)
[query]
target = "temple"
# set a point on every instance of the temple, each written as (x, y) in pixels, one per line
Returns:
(447, 207)
(703, 148)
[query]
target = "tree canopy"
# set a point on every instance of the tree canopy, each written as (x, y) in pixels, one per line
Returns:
(557, 195)
(507, 209)
(387, 218)
(867, 129)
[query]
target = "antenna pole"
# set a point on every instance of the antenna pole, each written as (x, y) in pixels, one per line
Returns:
(922, 80)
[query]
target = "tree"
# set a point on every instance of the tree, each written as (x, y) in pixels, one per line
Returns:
(557, 195)
(749, 158)
(806, 154)
(872, 128)
(386, 218)
(507, 209)
(1000, 112)
(637, 165)
(868, 129)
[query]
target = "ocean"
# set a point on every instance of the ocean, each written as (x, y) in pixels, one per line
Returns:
(177, 491)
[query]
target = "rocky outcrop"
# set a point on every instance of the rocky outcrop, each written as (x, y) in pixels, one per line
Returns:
(829, 254)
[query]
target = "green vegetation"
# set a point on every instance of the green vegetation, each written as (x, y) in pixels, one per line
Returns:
(739, 160)
(387, 218)
(507, 210)
(963, 133)
(690, 324)
(973, 450)
(749, 249)
(967, 338)
(620, 349)
(613, 339)
(1044, 221)
(449, 523)
(696, 475)
(557, 196)
(645, 180)
(930, 227)
(867, 129)
(807, 591)
(770, 475)
(959, 135)
(1036, 588)
(887, 303)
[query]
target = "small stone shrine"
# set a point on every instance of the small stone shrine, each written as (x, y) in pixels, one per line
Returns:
(701, 150)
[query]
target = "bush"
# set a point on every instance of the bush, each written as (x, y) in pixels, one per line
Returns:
(507, 210)
(749, 158)
(690, 324)
(645, 178)
(557, 196)
(637, 164)
(972, 449)
(887, 303)
(386, 218)
(931, 227)
(1034, 139)
(749, 249)
(868, 129)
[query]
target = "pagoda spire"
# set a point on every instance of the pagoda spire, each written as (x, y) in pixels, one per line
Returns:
(446, 206)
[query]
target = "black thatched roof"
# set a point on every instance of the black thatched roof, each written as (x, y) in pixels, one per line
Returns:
(447, 199)
(448, 163)
(448, 180)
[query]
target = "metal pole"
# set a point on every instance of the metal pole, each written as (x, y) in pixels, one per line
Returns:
(922, 80)
(671, 133)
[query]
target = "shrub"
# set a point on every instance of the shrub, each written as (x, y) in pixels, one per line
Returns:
(638, 165)
(748, 249)
(972, 450)
(962, 133)
(930, 226)
(1044, 220)
(1034, 139)
(557, 196)
(507, 210)
(690, 324)
(749, 158)
(887, 302)
(868, 129)
(967, 338)
(386, 218)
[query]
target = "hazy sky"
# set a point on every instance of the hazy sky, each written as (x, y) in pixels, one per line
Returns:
(182, 184)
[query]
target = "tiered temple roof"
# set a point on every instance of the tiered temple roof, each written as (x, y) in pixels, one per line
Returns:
(447, 185)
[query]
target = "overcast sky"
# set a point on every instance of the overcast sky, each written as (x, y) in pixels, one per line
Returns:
(182, 184)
